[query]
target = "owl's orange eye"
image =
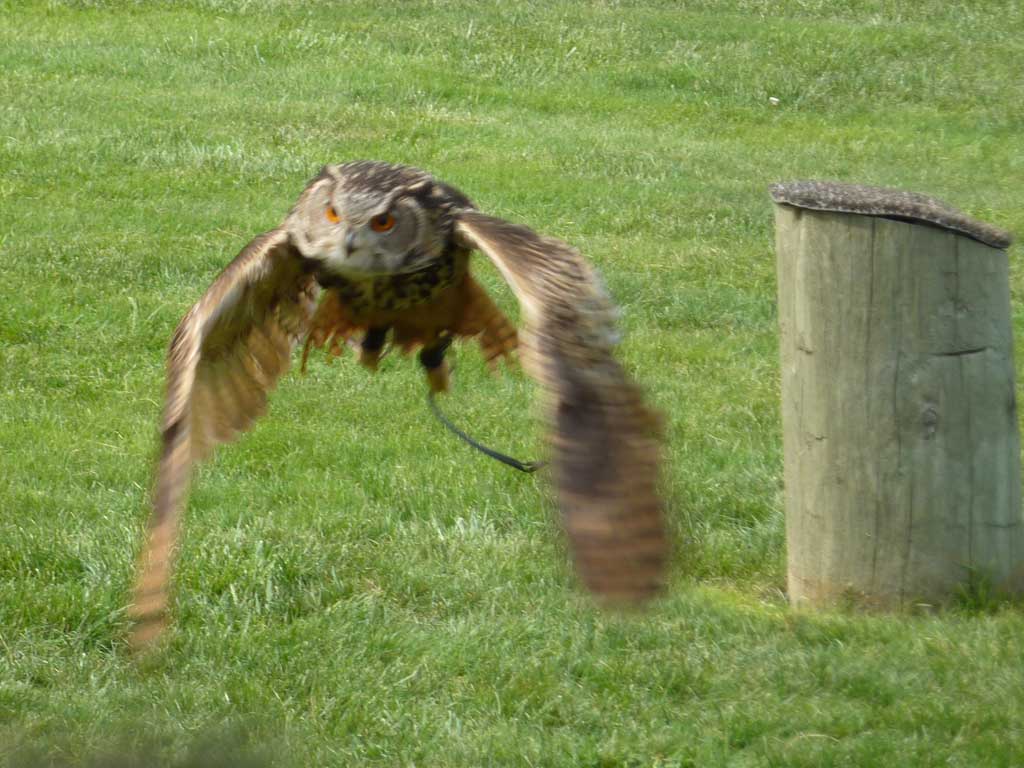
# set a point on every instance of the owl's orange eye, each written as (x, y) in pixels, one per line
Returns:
(382, 223)
(332, 215)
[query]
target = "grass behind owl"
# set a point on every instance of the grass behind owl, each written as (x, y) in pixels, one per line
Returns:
(356, 587)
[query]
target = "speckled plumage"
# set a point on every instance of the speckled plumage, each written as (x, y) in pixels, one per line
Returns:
(386, 249)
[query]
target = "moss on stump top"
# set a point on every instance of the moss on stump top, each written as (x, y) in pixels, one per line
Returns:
(889, 203)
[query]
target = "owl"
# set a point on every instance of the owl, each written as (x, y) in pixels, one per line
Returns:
(374, 252)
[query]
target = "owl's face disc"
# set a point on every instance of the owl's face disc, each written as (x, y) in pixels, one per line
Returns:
(364, 220)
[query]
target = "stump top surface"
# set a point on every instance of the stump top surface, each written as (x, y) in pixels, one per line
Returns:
(890, 203)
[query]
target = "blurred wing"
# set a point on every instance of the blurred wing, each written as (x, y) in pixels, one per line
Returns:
(225, 356)
(605, 452)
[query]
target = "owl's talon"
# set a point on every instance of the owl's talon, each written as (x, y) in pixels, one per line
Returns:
(371, 346)
(439, 378)
(432, 360)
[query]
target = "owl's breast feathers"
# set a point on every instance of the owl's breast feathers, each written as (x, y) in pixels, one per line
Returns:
(420, 307)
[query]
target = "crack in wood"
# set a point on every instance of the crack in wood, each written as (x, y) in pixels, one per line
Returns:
(962, 352)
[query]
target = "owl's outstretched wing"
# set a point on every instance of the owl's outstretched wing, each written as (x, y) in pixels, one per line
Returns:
(225, 356)
(605, 450)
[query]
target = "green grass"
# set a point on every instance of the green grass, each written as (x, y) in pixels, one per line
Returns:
(357, 588)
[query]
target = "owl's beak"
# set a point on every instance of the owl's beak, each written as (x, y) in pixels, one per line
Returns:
(350, 243)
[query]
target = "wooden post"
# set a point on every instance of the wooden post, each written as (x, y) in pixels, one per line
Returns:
(902, 452)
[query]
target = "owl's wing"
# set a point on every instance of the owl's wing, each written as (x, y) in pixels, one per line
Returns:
(605, 449)
(225, 356)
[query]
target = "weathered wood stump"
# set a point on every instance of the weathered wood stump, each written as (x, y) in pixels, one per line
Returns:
(902, 452)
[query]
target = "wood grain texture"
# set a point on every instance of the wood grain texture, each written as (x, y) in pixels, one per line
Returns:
(902, 454)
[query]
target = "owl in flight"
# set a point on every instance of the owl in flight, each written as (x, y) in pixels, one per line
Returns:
(371, 250)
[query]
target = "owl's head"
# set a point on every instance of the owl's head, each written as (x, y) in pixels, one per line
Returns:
(366, 219)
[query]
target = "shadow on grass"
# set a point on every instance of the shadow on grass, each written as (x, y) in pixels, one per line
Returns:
(210, 751)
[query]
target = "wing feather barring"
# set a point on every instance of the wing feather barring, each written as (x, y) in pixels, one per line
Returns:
(372, 251)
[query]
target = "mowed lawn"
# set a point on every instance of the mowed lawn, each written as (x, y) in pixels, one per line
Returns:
(355, 586)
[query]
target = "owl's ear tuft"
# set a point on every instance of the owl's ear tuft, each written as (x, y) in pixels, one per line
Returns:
(421, 190)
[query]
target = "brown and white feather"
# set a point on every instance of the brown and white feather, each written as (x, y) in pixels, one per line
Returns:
(233, 345)
(605, 447)
(225, 356)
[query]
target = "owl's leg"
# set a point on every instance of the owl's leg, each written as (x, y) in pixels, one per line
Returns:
(371, 346)
(432, 360)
